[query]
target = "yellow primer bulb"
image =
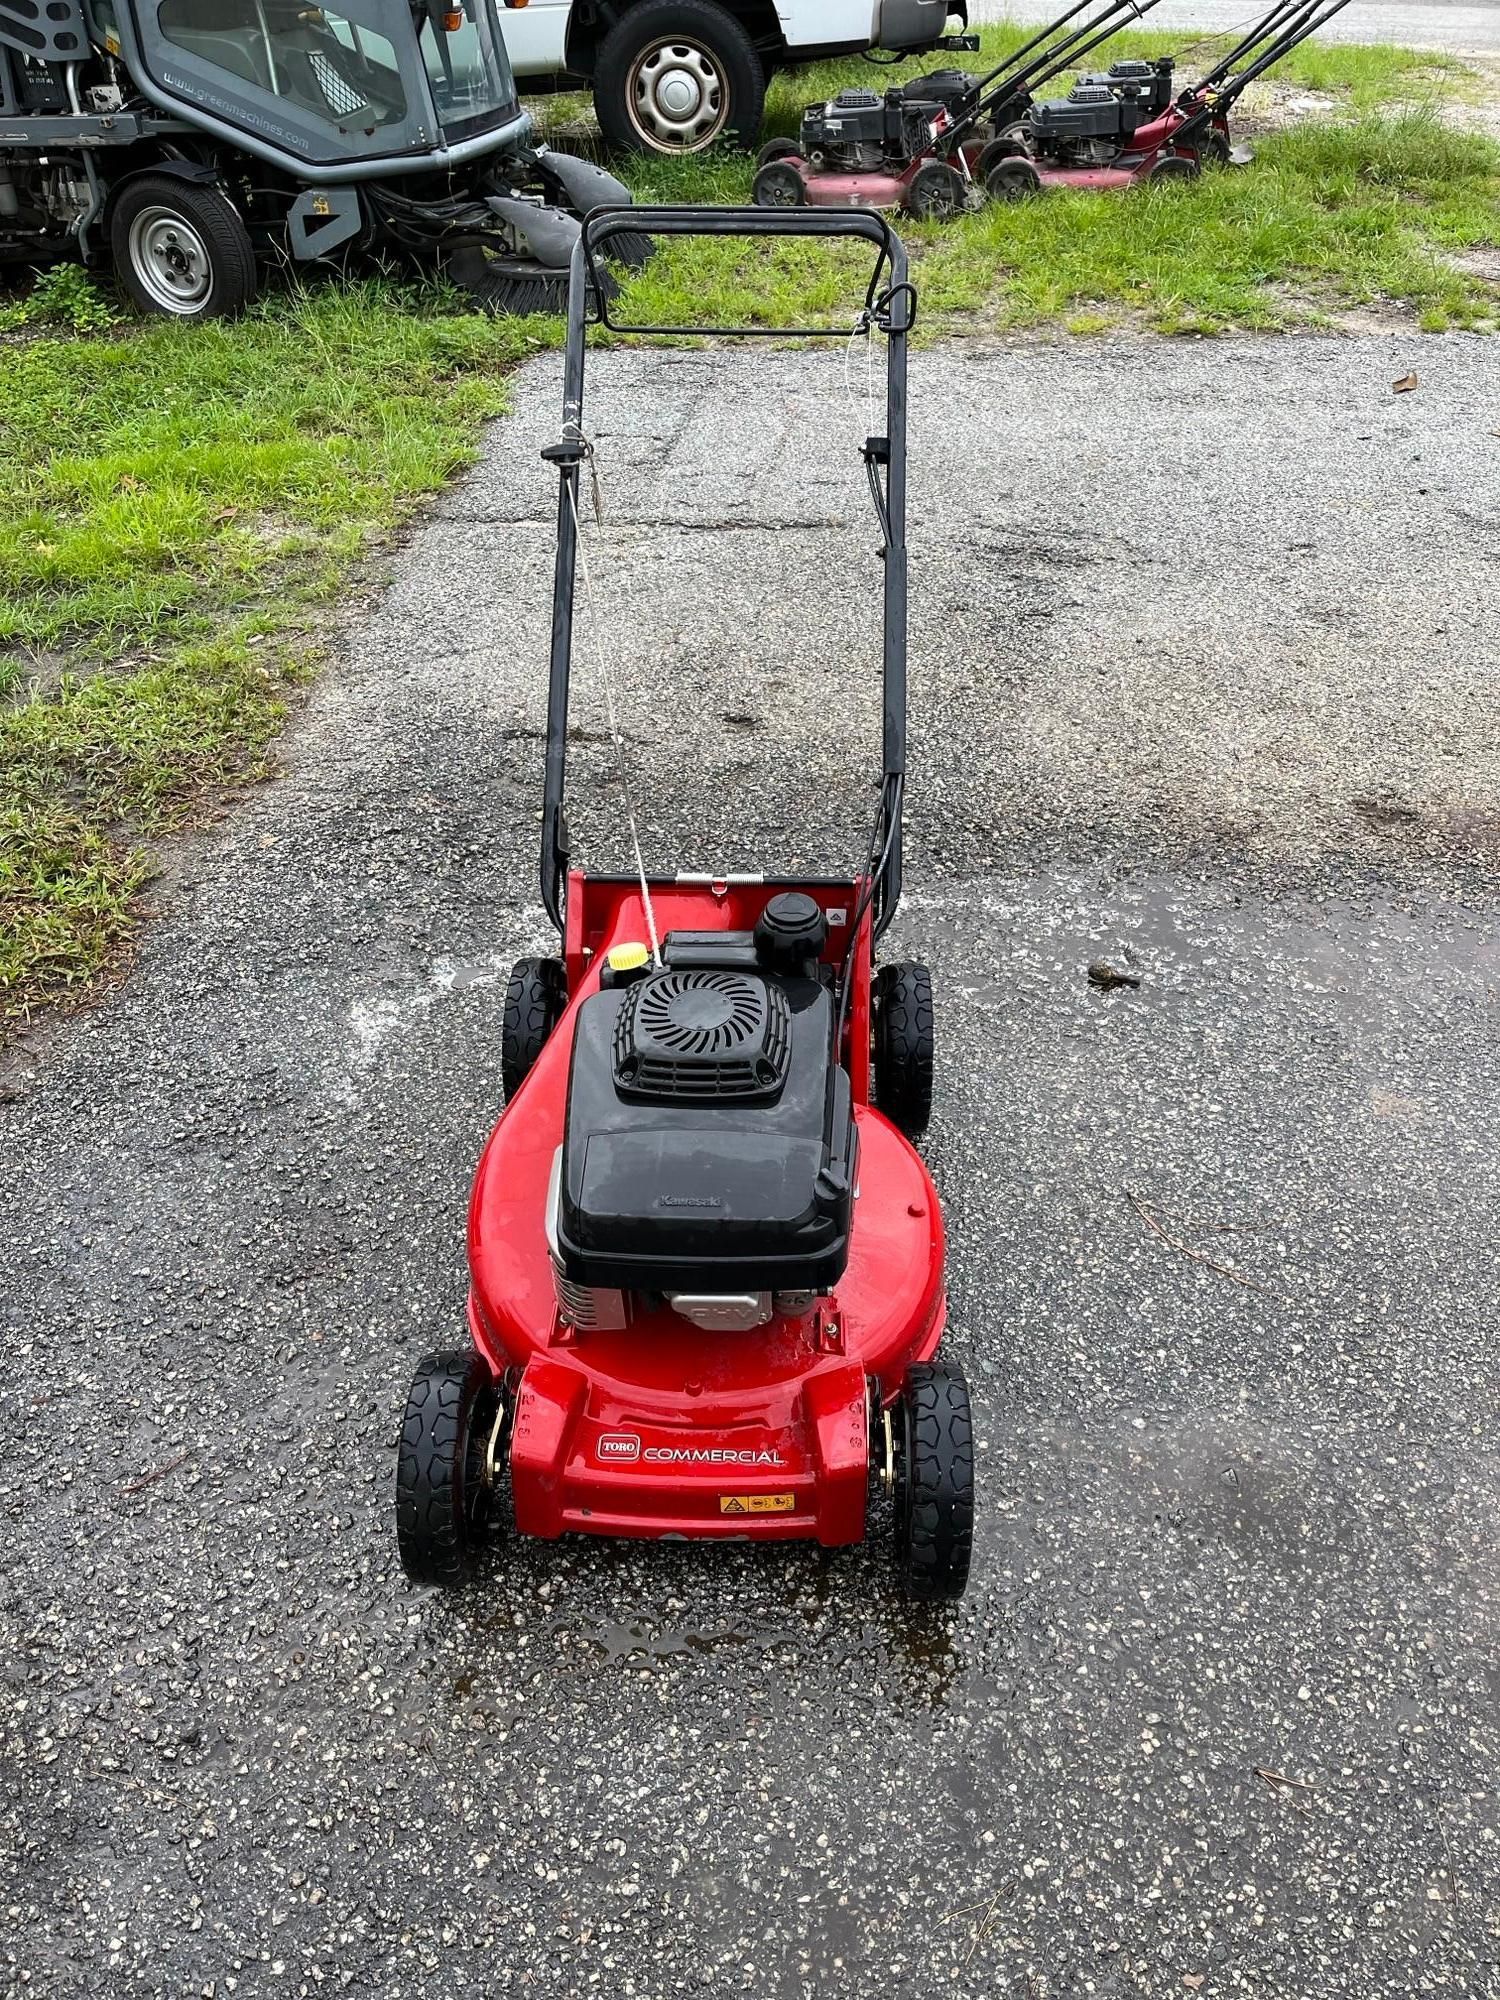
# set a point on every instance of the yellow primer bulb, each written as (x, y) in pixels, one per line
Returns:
(627, 957)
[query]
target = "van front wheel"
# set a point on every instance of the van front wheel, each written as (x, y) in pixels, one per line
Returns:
(677, 77)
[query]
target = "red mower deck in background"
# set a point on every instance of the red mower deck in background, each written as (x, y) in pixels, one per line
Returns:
(706, 1259)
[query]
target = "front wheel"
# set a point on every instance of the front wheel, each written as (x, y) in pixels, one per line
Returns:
(444, 1473)
(181, 248)
(935, 192)
(779, 185)
(934, 1483)
(676, 77)
(1012, 179)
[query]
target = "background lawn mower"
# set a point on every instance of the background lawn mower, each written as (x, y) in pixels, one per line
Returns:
(927, 146)
(706, 1270)
(193, 141)
(1110, 131)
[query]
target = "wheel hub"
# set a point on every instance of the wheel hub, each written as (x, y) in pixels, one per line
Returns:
(170, 259)
(677, 98)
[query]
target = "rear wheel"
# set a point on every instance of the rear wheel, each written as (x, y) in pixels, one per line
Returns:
(535, 1000)
(443, 1483)
(678, 76)
(904, 1045)
(934, 1483)
(181, 249)
(781, 148)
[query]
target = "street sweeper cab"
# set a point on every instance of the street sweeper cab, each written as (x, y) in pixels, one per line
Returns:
(196, 140)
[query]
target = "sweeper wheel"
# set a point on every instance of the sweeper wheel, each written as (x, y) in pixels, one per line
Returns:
(935, 192)
(181, 248)
(934, 1483)
(443, 1492)
(535, 998)
(904, 1046)
(778, 185)
(1012, 179)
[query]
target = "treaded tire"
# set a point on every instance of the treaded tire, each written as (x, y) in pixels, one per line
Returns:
(700, 26)
(1172, 168)
(213, 222)
(780, 148)
(934, 1484)
(936, 192)
(1012, 179)
(904, 1045)
(535, 1000)
(442, 1503)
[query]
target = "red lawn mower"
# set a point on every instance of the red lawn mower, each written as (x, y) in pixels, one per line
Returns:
(929, 145)
(706, 1259)
(1113, 130)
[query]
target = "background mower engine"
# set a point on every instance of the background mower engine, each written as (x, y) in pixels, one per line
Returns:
(193, 142)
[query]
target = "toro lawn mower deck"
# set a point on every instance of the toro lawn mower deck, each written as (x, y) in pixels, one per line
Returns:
(706, 1268)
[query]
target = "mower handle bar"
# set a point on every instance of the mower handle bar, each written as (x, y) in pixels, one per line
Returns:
(1274, 18)
(1311, 16)
(890, 306)
(1083, 41)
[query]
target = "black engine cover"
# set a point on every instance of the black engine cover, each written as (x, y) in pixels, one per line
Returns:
(1089, 111)
(710, 1140)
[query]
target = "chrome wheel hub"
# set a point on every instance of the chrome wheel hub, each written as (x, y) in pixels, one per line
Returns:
(171, 260)
(678, 103)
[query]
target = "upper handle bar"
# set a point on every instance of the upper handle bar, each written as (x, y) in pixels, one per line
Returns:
(864, 224)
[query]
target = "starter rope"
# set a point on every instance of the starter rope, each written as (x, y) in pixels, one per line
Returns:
(606, 670)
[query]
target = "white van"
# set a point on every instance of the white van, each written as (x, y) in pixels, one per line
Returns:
(677, 76)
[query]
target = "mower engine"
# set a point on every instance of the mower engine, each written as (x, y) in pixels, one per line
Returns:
(1134, 79)
(858, 132)
(709, 1151)
(1090, 125)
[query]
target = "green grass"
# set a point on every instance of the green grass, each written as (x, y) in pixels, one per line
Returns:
(177, 507)
(1357, 208)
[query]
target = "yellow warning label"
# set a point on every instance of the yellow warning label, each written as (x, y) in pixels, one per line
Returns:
(757, 1503)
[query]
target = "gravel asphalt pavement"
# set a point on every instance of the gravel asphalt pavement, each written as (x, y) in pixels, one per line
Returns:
(1204, 658)
(1462, 27)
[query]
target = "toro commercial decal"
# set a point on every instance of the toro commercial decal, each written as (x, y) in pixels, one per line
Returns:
(625, 1448)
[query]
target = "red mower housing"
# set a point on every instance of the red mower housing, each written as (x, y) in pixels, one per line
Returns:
(655, 1428)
